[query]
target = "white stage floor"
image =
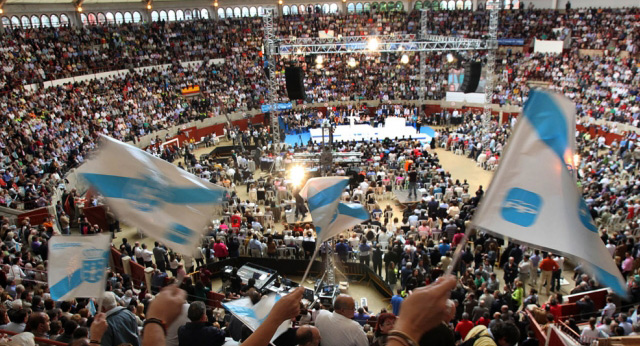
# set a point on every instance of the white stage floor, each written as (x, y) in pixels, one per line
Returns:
(394, 127)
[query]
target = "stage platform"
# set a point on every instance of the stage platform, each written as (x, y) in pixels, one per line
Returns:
(403, 197)
(394, 127)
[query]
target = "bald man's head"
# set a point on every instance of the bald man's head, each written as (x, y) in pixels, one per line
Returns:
(308, 335)
(345, 306)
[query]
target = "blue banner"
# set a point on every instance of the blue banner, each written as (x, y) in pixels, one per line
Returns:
(279, 107)
(511, 41)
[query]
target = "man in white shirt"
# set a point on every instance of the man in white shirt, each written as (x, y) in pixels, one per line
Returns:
(339, 328)
(147, 256)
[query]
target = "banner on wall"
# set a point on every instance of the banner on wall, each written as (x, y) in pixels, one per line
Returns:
(279, 107)
(547, 46)
(511, 41)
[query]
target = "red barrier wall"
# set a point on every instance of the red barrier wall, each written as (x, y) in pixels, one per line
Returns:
(97, 216)
(36, 216)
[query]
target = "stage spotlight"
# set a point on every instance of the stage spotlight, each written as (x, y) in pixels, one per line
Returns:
(319, 66)
(319, 59)
(404, 59)
(296, 175)
(373, 44)
(352, 62)
(450, 57)
(400, 48)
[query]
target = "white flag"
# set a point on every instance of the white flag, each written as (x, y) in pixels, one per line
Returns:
(78, 266)
(533, 197)
(330, 216)
(253, 315)
(166, 202)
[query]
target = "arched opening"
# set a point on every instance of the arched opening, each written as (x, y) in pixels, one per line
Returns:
(237, 12)
(229, 12)
(359, 7)
(459, 5)
(155, 16)
(45, 22)
(64, 20)
(285, 10)
(325, 8)
(171, 15)
(351, 8)
(128, 18)
(110, 18)
(253, 11)
(367, 7)
(35, 22)
(55, 21)
(399, 6)
(101, 18)
(92, 19)
(221, 13)
(15, 22)
(137, 17)
(188, 15)
(245, 12)
(179, 15)
(417, 5)
(468, 5)
(294, 9)
(334, 8)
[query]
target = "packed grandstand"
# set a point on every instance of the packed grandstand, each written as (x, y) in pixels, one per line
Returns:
(52, 117)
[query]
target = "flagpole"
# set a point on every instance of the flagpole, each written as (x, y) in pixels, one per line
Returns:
(313, 258)
(458, 253)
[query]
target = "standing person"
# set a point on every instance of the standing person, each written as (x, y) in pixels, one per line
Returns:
(413, 180)
(524, 272)
(377, 260)
(547, 266)
(147, 256)
(137, 252)
(557, 274)
(396, 302)
(510, 271)
(365, 251)
(159, 254)
(535, 262)
(220, 250)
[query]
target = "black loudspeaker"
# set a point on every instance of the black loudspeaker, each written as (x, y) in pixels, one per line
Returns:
(472, 73)
(295, 83)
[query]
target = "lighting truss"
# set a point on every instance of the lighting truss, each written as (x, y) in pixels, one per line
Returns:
(386, 43)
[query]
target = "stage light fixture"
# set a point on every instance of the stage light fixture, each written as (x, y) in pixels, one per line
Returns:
(404, 59)
(296, 175)
(319, 59)
(79, 9)
(149, 6)
(450, 57)
(351, 62)
(373, 44)
(280, 2)
(1, 11)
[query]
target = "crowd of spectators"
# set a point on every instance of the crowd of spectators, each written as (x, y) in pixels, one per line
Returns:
(52, 129)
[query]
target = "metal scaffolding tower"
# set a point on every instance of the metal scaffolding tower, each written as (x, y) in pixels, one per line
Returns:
(270, 69)
(424, 20)
(490, 66)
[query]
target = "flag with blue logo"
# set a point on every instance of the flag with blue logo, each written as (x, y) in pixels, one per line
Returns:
(533, 197)
(252, 315)
(330, 216)
(164, 201)
(78, 266)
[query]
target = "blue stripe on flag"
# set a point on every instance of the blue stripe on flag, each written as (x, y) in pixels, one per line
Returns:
(611, 280)
(353, 210)
(327, 195)
(548, 120)
(241, 311)
(65, 285)
(145, 190)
